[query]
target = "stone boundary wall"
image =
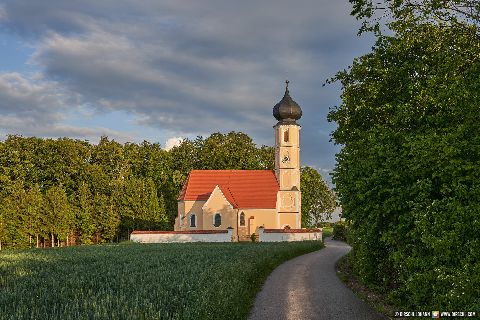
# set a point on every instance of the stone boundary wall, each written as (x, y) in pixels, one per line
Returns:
(182, 236)
(279, 235)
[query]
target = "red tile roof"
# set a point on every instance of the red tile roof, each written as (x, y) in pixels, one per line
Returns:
(242, 188)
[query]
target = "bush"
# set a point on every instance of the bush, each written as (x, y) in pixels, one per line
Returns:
(340, 230)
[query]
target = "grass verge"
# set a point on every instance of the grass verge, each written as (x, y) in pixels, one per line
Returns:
(374, 299)
(156, 281)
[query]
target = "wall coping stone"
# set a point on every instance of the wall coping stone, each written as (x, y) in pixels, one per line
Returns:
(180, 232)
(291, 230)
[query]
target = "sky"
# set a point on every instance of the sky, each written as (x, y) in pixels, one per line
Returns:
(163, 70)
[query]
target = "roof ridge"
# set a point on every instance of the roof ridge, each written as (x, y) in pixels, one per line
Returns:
(233, 197)
(230, 191)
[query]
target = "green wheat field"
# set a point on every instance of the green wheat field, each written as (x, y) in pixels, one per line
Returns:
(133, 281)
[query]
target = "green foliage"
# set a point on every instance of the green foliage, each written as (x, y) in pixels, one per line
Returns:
(215, 281)
(85, 217)
(318, 201)
(233, 150)
(107, 218)
(139, 206)
(59, 214)
(327, 232)
(395, 13)
(408, 172)
(326, 224)
(34, 210)
(340, 230)
(15, 217)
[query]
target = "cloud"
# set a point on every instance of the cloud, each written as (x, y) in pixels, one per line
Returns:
(33, 106)
(32, 98)
(3, 13)
(173, 142)
(29, 127)
(189, 68)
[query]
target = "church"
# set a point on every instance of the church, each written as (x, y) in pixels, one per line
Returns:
(244, 200)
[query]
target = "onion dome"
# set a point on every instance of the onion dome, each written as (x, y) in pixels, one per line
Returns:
(287, 110)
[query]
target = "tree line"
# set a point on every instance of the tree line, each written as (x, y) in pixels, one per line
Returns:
(66, 191)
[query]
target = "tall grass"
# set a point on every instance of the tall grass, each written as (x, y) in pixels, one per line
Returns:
(157, 281)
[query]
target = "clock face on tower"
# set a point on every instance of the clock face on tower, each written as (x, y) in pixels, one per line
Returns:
(285, 157)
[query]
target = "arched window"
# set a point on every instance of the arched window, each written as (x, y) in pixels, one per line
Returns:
(193, 220)
(217, 220)
(285, 136)
(242, 219)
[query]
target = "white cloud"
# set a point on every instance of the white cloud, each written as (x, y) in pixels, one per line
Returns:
(3, 13)
(173, 142)
(31, 127)
(32, 97)
(32, 106)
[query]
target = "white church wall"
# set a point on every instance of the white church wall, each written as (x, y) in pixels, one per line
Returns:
(181, 236)
(279, 235)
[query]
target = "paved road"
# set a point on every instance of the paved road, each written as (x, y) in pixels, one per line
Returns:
(307, 288)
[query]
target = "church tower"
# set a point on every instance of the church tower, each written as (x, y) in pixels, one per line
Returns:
(287, 161)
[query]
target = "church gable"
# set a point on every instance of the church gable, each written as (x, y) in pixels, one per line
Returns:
(218, 212)
(217, 201)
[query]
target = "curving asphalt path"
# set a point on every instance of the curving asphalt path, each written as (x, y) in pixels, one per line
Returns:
(307, 287)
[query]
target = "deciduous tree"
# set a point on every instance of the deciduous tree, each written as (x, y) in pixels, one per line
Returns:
(84, 219)
(318, 201)
(34, 211)
(59, 214)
